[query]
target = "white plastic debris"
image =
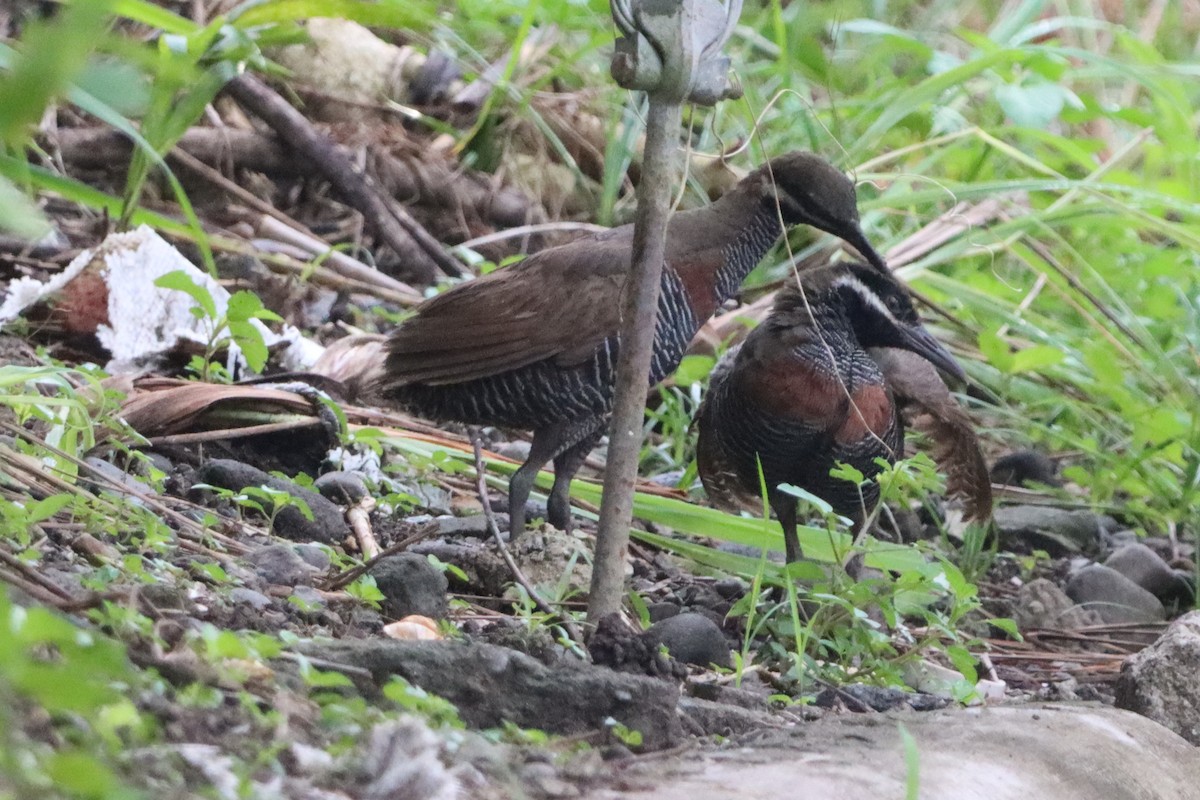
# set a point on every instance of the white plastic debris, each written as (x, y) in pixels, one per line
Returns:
(144, 320)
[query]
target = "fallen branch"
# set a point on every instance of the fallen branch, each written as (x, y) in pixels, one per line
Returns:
(273, 223)
(348, 576)
(410, 241)
(429, 181)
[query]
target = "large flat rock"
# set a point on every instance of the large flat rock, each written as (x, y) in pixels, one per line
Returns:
(1028, 752)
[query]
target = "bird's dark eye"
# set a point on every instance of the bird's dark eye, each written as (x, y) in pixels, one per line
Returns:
(893, 304)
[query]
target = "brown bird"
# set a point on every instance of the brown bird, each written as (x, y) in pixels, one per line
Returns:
(804, 392)
(534, 345)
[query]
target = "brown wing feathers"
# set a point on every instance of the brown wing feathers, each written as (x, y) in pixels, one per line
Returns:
(956, 450)
(502, 322)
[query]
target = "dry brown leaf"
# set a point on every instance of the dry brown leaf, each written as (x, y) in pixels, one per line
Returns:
(166, 406)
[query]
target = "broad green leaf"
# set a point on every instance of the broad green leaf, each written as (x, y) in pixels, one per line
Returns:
(181, 281)
(995, 350)
(1033, 105)
(19, 215)
(82, 774)
(1162, 425)
(1033, 359)
(693, 369)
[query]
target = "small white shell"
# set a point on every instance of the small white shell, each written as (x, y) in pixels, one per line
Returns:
(413, 627)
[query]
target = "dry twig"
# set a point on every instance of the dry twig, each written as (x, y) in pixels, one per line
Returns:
(348, 576)
(359, 517)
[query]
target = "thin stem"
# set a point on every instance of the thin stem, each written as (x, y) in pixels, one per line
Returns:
(639, 315)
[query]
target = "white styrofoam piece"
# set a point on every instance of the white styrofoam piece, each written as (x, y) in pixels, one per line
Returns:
(144, 319)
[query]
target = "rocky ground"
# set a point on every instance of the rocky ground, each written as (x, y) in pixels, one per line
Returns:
(182, 630)
(1094, 606)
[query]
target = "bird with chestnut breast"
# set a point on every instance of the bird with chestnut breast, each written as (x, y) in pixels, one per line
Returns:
(809, 388)
(534, 345)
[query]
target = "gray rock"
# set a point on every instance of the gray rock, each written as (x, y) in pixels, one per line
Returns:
(315, 556)
(660, 611)
(1116, 598)
(517, 450)
(162, 596)
(159, 461)
(731, 588)
(544, 781)
(706, 718)
(1047, 752)
(115, 474)
(474, 525)
(862, 696)
(308, 600)
(327, 526)
(492, 685)
(281, 565)
(692, 639)
(1146, 568)
(248, 597)
(1186, 582)
(1057, 531)
(550, 557)
(343, 488)
(1161, 682)
(411, 585)
(1120, 537)
(669, 479)
(1041, 604)
(1025, 467)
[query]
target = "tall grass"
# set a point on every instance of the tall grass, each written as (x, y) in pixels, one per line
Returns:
(1081, 303)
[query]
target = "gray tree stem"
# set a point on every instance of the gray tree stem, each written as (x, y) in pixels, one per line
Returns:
(639, 316)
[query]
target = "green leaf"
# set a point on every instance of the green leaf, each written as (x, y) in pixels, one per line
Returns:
(1162, 425)
(118, 85)
(1007, 625)
(81, 774)
(243, 305)
(401, 14)
(52, 53)
(1035, 358)
(181, 281)
(693, 369)
(325, 679)
(153, 16)
(963, 661)
(250, 340)
(1034, 105)
(995, 350)
(19, 215)
(45, 509)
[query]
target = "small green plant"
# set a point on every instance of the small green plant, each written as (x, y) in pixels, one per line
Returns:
(261, 499)
(366, 590)
(234, 326)
(436, 710)
(670, 438)
(78, 681)
(624, 734)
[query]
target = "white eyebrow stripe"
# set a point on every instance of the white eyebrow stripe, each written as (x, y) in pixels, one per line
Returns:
(866, 294)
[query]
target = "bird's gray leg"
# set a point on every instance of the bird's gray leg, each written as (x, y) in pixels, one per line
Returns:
(566, 464)
(547, 443)
(785, 510)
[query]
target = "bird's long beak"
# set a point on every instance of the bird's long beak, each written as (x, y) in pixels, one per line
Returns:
(921, 342)
(859, 240)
